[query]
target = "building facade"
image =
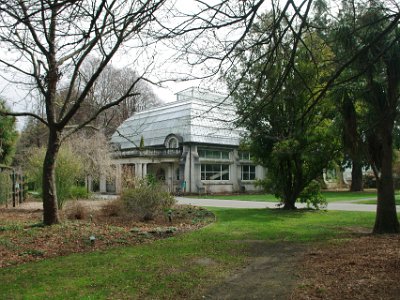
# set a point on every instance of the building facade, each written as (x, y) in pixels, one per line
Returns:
(190, 145)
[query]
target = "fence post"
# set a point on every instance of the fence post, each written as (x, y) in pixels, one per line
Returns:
(20, 188)
(13, 187)
(23, 191)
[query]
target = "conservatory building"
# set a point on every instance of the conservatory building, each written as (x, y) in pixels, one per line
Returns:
(190, 145)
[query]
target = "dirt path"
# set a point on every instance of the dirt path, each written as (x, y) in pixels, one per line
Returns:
(38, 205)
(270, 274)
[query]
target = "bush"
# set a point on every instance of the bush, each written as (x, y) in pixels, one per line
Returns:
(5, 186)
(76, 211)
(79, 192)
(68, 170)
(369, 181)
(113, 208)
(312, 195)
(146, 200)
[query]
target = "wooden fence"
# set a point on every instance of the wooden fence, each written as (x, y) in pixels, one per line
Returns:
(11, 186)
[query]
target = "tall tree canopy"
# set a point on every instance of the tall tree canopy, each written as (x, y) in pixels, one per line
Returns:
(288, 134)
(376, 72)
(364, 37)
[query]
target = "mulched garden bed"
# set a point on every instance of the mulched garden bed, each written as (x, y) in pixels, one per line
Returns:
(365, 267)
(23, 238)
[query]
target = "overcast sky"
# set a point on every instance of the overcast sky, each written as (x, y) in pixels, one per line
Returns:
(164, 66)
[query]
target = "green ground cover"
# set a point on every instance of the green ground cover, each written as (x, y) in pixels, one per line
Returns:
(330, 196)
(374, 201)
(172, 268)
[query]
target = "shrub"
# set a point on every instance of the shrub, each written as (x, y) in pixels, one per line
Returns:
(68, 170)
(5, 186)
(146, 200)
(113, 208)
(369, 181)
(76, 211)
(312, 195)
(79, 192)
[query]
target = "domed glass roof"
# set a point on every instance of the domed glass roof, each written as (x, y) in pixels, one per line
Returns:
(197, 116)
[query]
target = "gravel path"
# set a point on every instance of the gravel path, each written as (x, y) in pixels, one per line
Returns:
(96, 203)
(344, 206)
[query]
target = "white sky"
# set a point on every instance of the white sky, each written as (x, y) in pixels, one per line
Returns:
(163, 66)
(19, 100)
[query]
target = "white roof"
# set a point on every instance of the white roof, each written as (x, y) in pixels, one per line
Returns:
(196, 116)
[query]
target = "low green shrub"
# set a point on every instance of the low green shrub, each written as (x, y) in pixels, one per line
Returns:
(312, 195)
(146, 200)
(79, 192)
(68, 170)
(5, 187)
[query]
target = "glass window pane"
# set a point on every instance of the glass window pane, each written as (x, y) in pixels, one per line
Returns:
(214, 172)
(244, 156)
(248, 172)
(213, 154)
(201, 153)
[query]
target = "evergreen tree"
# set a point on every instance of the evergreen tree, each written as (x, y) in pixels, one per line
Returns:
(8, 136)
(289, 134)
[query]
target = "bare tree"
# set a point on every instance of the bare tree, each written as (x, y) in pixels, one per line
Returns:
(94, 151)
(49, 41)
(111, 85)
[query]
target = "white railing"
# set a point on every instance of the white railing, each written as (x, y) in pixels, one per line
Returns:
(148, 152)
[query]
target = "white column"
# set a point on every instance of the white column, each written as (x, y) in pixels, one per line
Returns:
(195, 170)
(170, 178)
(118, 179)
(103, 184)
(138, 168)
(235, 172)
(144, 171)
(89, 183)
(186, 170)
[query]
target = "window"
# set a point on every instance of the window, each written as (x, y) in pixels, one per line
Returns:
(214, 172)
(248, 172)
(213, 154)
(244, 156)
(173, 143)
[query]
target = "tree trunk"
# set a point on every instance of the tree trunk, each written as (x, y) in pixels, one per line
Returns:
(290, 200)
(289, 205)
(356, 177)
(386, 216)
(50, 208)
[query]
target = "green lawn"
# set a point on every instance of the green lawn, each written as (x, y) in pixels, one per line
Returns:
(374, 201)
(330, 196)
(170, 268)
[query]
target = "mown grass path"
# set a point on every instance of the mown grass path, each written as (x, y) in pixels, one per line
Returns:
(187, 266)
(331, 196)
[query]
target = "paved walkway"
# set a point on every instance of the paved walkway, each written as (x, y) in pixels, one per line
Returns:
(347, 206)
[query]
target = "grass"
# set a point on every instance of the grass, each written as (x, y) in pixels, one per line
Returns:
(373, 201)
(169, 268)
(330, 196)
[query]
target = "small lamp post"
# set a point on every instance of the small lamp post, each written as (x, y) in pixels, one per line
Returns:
(92, 239)
(169, 214)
